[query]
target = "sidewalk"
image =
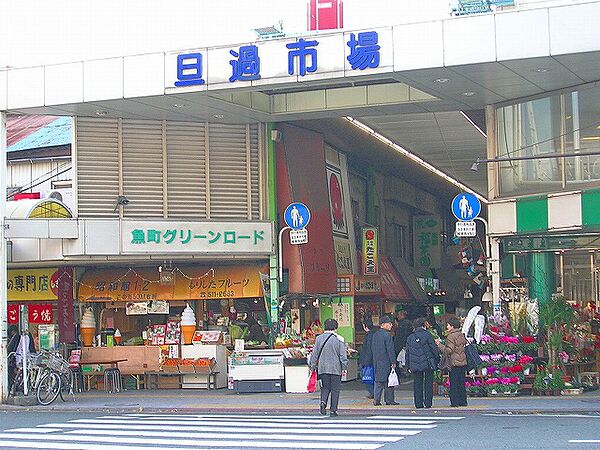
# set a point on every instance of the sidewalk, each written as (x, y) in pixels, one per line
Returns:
(353, 401)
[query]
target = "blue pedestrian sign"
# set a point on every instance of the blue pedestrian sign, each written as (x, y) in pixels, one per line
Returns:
(296, 216)
(466, 207)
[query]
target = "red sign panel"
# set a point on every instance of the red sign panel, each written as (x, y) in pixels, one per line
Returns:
(13, 314)
(40, 313)
(325, 14)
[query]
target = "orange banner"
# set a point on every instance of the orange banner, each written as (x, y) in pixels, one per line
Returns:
(192, 283)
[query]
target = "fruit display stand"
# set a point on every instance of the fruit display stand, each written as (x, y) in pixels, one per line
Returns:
(256, 371)
(200, 379)
(296, 370)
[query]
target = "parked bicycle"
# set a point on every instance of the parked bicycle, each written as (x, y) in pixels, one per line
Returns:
(48, 376)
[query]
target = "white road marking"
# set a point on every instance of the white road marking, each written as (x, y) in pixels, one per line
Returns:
(584, 441)
(204, 419)
(233, 428)
(271, 424)
(205, 442)
(33, 430)
(429, 416)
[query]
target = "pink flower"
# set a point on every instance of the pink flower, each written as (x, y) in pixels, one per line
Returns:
(485, 358)
(491, 370)
(503, 369)
(525, 359)
(486, 338)
(511, 357)
(496, 356)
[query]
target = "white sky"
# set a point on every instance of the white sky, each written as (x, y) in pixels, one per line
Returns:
(35, 32)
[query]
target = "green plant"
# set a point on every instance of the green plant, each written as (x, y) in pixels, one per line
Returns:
(541, 379)
(555, 314)
(556, 381)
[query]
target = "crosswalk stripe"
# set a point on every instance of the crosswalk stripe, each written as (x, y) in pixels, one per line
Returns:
(353, 431)
(82, 446)
(331, 424)
(241, 435)
(205, 442)
(430, 416)
(34, 430)
(584, 441)
(186, 420)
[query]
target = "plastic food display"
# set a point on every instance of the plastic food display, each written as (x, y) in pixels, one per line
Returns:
(188, 325)
(88, 328)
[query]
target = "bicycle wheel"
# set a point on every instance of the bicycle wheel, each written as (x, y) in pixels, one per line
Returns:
(66, 384)
(17, 385)
(48, 388)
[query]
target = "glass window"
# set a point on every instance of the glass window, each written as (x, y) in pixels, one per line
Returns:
(568, 123)
(577, 277)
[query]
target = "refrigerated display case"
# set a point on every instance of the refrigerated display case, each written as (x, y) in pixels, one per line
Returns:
(256, 371)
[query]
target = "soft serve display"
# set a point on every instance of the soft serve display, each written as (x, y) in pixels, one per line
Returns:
(188, 324)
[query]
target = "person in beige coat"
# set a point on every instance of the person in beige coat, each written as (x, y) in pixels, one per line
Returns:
(455, 351)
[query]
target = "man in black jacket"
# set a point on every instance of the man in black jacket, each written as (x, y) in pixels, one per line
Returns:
(422, 359)
(403, 329)
(365, 357)
(384, 360)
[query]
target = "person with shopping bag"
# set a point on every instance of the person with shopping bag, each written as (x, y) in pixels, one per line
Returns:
(422, 357)
(330, 361)
(384, 363)
(365, 357)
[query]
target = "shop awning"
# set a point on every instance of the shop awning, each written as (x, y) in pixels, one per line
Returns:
(187, 283)
(395, 283)
(409, 278)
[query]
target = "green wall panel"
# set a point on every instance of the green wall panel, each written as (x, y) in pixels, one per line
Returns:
(590, 207)
(532, 214)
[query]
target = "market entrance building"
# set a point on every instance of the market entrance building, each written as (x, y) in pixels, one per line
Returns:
(181, 157)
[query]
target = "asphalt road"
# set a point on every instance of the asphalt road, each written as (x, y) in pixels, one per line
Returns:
(140, 431)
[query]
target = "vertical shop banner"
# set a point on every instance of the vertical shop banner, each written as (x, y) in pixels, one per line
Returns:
(426, 242)
(337, 205)
(13, 314)
(301, 177)
(370, 257)
(65, 310)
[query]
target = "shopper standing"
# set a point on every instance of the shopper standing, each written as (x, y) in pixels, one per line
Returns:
(330, 360)
(455, 349)
(365, 357)
(384, 360)
(422, 358)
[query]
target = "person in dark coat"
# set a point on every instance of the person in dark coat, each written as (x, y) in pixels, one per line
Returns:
(384, 360)
(365, 357)
(402, 331)
(422, 359)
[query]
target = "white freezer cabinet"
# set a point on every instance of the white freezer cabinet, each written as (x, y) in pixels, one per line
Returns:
(256, 371)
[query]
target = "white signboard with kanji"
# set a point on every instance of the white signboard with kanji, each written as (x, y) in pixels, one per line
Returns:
(466, 229)
(341, 313)
(196, 237)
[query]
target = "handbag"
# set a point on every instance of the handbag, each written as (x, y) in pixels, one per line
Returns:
(444, 363)
(473, 358)
(393, 379)
(367, 375)
(312, 380)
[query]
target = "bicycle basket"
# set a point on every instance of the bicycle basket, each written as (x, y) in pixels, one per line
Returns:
(57, 363)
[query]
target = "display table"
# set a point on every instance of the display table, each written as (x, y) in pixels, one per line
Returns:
(136, 360)
(205, 380)
(256, 371)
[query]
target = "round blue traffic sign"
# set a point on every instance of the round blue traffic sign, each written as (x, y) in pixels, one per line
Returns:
(297, 216)
(466, 207)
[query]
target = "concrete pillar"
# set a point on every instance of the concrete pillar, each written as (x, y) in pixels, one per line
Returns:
(3, 263)
(541, 276)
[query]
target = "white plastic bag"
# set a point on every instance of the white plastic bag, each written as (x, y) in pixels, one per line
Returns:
(393, 379)
(401, 358)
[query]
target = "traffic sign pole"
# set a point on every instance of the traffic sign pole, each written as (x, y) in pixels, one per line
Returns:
(281, 252)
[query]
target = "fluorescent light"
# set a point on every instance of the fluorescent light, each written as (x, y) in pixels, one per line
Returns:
(414, 157)
(591, 138)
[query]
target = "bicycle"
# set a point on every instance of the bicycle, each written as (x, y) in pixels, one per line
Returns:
(49, 376)
(55, 380)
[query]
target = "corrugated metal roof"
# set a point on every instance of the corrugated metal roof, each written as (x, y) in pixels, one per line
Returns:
(31, 132)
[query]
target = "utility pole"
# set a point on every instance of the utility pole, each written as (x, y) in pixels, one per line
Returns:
(3, 263)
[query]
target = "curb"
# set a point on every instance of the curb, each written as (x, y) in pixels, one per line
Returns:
(346, 412)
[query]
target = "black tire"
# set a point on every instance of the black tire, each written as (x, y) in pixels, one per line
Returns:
(66, 384)
(17, 384)
(48, 388)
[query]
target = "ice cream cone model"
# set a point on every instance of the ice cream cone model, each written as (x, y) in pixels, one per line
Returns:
(188, 325)
(88, 328)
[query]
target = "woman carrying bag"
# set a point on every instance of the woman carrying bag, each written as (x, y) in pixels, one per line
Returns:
(330, 361)
(455, 351)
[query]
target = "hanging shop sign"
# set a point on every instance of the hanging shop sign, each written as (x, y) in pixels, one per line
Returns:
(36, 313)
(370, 256)
(367, 285)
(191, 283)
(465, 229)
(439, 310)
(343, 256)
(550, 243)
(341, 313)
(427, 245)
(32, 284)
(196, 237)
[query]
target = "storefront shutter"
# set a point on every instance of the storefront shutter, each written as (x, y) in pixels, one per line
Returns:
(143, 168)
(97, 162)
(186, 174)
(229, 182)
(255, 170)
